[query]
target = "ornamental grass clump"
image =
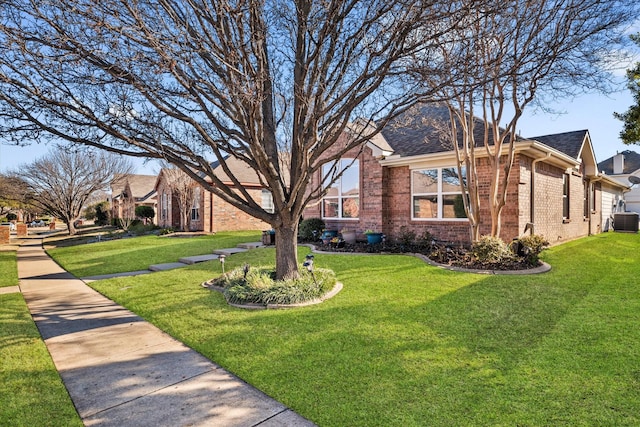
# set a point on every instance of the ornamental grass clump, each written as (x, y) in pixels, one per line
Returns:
(491, 250)
(258, 286)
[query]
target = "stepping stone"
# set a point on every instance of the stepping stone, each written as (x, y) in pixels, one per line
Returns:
(198, 258)
(167, 266)
(229, 251)
(250, 245)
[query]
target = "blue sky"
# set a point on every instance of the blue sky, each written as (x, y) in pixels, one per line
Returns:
(593, 112)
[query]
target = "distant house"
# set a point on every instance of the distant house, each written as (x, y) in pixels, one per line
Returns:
(621, 167)
(130, 191)
(208, 212)
(406, 178)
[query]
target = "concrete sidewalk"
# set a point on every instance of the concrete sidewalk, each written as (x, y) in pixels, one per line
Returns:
(122, 371)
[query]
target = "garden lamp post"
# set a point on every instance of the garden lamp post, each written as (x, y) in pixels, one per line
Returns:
(309, 264)
(221, 258)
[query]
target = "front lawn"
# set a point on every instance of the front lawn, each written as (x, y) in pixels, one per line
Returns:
(8, 269)
(138, 253)
(408, 344)
(31, 391)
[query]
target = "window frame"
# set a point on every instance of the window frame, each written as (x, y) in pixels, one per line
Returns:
(439, 194)
(566, 197)
(195, 207)
(344, 164)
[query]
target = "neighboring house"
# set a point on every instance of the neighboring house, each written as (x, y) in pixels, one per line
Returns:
(621, 167)
(130, 191)
(406, 178)
(209, 213)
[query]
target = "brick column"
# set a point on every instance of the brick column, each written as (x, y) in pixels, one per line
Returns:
(22, 229)
(5, 234)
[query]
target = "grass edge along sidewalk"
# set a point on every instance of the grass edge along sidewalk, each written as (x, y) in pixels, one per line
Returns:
(31, 390)
(417, 344)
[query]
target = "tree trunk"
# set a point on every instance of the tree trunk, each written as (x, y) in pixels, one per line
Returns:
(70, 227)
(287, 251)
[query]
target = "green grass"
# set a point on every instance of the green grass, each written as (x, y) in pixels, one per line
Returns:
(407, 344)
(138, 253)
(31, 391)
(8, 270)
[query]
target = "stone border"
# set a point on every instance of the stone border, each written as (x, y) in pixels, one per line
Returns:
(544, 268)
(333, 292)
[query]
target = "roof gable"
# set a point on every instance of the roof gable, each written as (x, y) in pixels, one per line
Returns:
(569, 143)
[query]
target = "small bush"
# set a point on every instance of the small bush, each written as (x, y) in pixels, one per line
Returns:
(491, 250)
(406, 236)
(11, 216)
(260, 286)
(310, 229)
(530, 247)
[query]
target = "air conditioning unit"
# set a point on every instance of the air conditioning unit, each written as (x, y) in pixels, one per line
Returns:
(625, 221)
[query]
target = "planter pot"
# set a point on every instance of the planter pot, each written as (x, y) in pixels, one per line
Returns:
(349, 237)
(373, 238)
(328, 235)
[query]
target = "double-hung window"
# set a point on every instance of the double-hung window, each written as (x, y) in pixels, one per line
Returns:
(436, 194)
(267, 201)
(195, 207)
(343, 196)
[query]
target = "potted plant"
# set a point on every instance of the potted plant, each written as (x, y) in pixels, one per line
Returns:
(327, 235)
(349, 236)
(373, 237)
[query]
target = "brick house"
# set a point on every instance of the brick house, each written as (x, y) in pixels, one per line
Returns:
(130, 191)
(406, 177)
(209, 213)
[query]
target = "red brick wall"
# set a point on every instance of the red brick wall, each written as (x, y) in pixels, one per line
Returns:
(385, 201)
(226, 217)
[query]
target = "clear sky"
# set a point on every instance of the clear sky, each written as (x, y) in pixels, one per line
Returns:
(593, 112)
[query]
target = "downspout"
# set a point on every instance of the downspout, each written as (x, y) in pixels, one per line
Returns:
(532, 197)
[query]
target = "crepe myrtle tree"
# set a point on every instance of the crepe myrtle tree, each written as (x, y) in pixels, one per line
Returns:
(63, 180)
(521, 55)
(273, 83)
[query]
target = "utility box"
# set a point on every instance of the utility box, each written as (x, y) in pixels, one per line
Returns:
(625, 221)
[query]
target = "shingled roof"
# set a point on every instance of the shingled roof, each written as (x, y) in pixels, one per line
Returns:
(425, 129)
(142, 186)
(569, 143)
(631, 163)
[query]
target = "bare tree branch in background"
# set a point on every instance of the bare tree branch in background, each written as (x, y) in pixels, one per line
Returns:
(274, 83)
(182, 191)
(62, 181)
(507, 59)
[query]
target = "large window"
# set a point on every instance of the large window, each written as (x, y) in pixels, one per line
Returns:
(343, 198)
(164, 206)
(436, 194)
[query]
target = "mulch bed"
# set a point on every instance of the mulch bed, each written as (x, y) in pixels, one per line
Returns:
(444, 254)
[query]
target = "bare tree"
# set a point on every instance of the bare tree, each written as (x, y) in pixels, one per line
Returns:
(182, 188)
(274, 83)
(62, 181)
(504, 60)
(14, 194)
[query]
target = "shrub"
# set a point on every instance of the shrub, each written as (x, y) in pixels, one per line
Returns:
(492, 250)
(530, 247)
(145, 212)
(406, 236)
(11, 216)
(260, 286)
(310, 229)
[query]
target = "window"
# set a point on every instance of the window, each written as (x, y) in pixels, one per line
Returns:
(267, 201)
(195, 208)
(164, 205)
(565, 196)
(585, 197)
(436, 194)
(343, 198)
